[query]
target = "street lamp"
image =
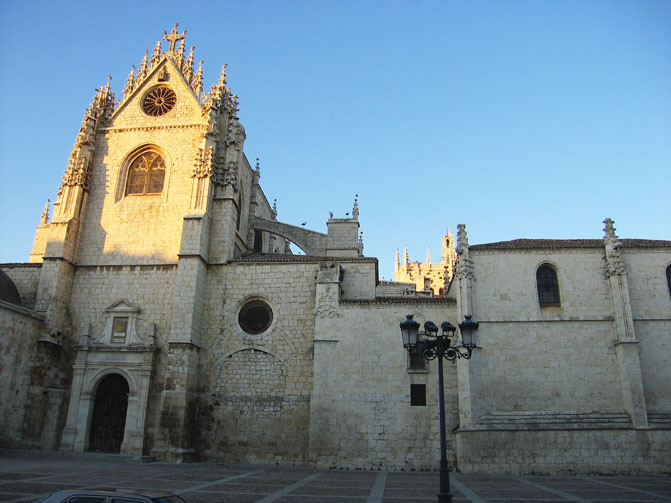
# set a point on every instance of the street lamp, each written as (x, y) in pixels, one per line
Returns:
(439, 346)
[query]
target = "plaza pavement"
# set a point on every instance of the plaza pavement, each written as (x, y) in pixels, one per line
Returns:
(27, 475)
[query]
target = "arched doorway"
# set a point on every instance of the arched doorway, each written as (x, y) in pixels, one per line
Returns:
(109, 414)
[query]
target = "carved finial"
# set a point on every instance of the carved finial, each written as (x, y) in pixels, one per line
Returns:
(610, 229)
(258, 166)
(273, 212)
(156, 54)
(45, 214)
(173, 37)
(130, 83)
(406, 259)
(398, 259)
(355, 209)
(198, 80)
(428, 255)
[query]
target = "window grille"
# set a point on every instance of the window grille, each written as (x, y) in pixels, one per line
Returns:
(146, 174)
(548, 286)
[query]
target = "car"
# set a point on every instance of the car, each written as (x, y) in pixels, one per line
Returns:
(112, 496)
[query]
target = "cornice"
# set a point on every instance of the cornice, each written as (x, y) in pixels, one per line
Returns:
(168, 127)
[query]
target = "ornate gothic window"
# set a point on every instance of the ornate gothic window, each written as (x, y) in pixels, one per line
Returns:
(159, 100)
(548, 286)
(146, 173)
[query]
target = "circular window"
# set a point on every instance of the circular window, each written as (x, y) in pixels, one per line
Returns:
(159, 101)
(255, 317)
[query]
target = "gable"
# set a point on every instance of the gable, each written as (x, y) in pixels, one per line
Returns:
(122, 306)
(139, 107)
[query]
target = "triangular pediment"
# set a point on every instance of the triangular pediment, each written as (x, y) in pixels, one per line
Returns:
(122, 306)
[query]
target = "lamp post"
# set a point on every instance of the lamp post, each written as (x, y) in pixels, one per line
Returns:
(439, 346)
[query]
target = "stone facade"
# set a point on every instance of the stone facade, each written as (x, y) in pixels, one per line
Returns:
(163, 292)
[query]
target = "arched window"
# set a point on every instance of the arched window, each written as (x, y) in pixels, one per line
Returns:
(548, 286)
(668, 277)
(146, 173)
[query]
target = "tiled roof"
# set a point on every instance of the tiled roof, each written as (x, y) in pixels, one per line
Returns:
(410, 299)
(288, 258)
(558, 244)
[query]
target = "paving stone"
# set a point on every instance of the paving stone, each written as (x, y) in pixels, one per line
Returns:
(39, 476)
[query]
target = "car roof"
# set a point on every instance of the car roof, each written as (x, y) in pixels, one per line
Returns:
(147, 493)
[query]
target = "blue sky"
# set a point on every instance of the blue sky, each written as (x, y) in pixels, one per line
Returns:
(517, 118)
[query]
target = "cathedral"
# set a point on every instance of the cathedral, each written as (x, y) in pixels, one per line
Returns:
(162, 314)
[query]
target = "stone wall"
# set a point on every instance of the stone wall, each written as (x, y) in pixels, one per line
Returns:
(19, 328)
(565, 451)
(361, 415)
(651, 310)
(533, 358)
(359, 279)
(26, 278)
(255, 389)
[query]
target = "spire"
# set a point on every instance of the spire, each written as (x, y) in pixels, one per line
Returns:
(462, 238)
(273, 212)
(179, 55)
(355, 209)
(142, 72)
(45, 214)
(428, 255)
(609, 229)
(406, 259)
(398, 259)
(234, 104)
(614, 263)
(188, 66)
(173, 37)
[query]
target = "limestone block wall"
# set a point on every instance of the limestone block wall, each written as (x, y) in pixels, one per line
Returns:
(223, 228)
(136, 228)
(19, 330)
(26, 278)
(536, 358)
(255, 389)
(651, 310)
(359, 279)
(544, 366)
(343, 234)
(360, 413)
(505, 285)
